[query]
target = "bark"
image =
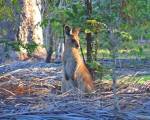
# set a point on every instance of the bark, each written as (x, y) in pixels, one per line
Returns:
(88, 4)
(95, 47)
(30, 29)
(113, 49)
(49, 42)
(59, 52)
(47, 31)
(49, 55)
(89, 47)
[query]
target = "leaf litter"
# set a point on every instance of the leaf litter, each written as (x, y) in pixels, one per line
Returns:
(32, 90)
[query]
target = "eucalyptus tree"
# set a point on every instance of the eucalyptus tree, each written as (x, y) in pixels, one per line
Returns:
(30, 29)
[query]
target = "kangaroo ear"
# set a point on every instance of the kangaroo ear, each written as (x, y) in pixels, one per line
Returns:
(67, 30)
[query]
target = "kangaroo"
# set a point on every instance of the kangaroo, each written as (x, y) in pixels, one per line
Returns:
(76, 74)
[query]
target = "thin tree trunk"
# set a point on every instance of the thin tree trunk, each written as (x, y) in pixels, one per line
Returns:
(113, 49)
(59, 52)
(88, 4)
(95, 47)
(50, 44)
(89, 47)
(49, 54)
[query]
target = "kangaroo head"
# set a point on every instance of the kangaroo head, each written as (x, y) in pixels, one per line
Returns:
(73, 36)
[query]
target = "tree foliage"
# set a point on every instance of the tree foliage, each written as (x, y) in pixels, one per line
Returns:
(128, 19)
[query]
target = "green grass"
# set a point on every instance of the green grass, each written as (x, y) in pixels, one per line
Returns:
(142, 79)
(107, 77)
(137, 79)
(123, 54)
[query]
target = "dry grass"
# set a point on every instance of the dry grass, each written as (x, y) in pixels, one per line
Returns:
(37, 91)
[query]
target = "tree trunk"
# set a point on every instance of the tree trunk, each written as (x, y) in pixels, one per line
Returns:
(95, 47)
(30, 29)
(49, 42)
(59, 52)
(89, 47)
(88, 4)
(113, 49)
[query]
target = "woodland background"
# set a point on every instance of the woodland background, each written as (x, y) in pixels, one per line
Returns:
(115, 45)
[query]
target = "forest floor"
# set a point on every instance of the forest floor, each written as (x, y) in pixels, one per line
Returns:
(32, 91)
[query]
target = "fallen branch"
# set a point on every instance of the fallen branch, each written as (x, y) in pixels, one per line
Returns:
(12, 72)
(8, 91)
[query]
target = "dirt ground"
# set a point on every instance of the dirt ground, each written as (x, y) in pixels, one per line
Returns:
(32, 90)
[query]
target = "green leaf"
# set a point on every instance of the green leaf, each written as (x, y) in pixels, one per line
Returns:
(14, 2)
(88, 31)
(44, 23)
(74, 8)
(70, 14)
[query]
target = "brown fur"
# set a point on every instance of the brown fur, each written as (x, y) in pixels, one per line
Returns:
(76, 74)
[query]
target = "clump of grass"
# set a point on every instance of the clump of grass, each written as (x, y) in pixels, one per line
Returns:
(143, 79)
